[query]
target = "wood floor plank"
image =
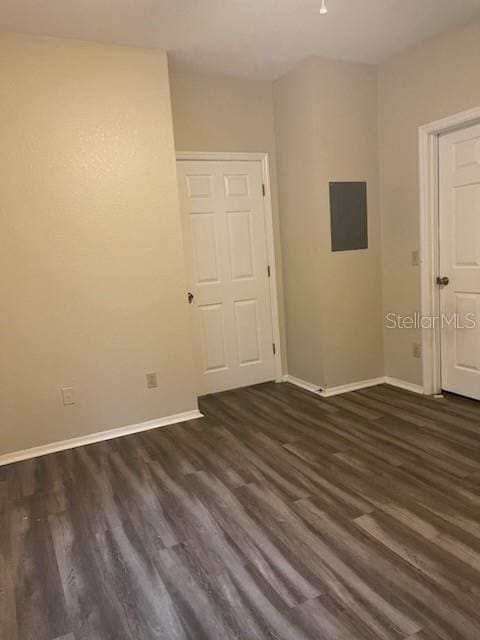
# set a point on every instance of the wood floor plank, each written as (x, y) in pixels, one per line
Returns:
(422, 552)
(426, 602)
(39, 602)
(427, 634)
(8, 612)
(280, 515)
(280, 567)
(92, 612)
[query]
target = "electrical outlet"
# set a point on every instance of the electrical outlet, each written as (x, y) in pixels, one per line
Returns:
(417, 350)
(152, 380)
(68, 396)
(416, 258)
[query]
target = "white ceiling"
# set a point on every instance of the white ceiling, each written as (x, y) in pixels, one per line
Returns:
(254, 38)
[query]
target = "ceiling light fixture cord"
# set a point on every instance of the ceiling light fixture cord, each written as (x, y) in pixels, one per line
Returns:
(323, 8)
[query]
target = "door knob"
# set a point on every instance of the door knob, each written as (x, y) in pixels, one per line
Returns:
(443, 281)
(190, 297)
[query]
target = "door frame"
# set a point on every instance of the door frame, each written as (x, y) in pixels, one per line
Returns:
(264, 161)
(428, 145)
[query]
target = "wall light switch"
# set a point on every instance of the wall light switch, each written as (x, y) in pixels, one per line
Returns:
(416, 258)
(152, 380)
(417, 350)
(68, 396)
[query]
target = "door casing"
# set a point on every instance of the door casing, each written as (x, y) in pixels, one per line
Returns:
(263, 159)
(428, 136)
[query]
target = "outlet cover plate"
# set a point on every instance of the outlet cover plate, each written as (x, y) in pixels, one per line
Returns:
(152, 380)
(68, 395)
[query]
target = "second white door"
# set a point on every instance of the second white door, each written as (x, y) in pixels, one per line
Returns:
(459, 207)
(224, 225)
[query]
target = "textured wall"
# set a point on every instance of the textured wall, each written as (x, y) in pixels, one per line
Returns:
(326, 130)
(433, 81)
(91, 264)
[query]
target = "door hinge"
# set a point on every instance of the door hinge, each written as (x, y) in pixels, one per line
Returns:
(274, 349)
(263, 190)
(268, 271)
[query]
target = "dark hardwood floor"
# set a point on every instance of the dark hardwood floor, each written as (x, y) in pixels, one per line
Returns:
(280, 515)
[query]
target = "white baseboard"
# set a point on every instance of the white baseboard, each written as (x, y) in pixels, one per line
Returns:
(332, 391)
(403, 384)
(354, 386)
(72, 443)
(298, 382)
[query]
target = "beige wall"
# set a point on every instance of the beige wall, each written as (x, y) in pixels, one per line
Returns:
(435, 80)
(326, 129)
(214, 113)
(91, 264)
(91, 269)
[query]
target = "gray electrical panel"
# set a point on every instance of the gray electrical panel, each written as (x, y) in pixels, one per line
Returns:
(348, 215)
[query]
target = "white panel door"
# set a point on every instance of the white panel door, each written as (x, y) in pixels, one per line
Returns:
(223, 217)
(459, 206)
